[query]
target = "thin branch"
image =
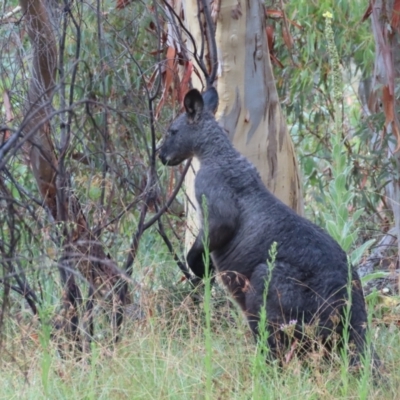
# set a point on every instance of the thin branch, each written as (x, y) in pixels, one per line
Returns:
(162, 210)
(210, 33)
(199, 61)
(182, 266)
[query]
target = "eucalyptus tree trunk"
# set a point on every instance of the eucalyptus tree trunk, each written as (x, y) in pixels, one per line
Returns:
(385, 19)
(249, 108)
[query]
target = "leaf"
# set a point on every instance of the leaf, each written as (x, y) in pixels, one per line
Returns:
(367, 13)
(287, 38)
(7, 106)
(363, 180)
(169, 74)
(374, 275)
(150, 82)
(269, 30)
(356, 255)
(340, 183)
(279, 14)
(388, 301)
(274, 13)
(356, 215)
(333, 229)
(343, 212)
(347, 242)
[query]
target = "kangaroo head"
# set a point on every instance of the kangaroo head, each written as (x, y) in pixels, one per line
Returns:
(187, 132)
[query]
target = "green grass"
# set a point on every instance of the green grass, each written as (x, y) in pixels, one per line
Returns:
(163, 357)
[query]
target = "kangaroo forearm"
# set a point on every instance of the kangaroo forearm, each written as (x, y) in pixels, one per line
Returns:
(195, 258)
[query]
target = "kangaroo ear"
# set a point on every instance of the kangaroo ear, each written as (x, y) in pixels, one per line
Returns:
(210, 98)
(193, 103)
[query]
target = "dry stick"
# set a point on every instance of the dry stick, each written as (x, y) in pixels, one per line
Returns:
(135, 242)
(104, 131)
(160, 212)
(150, 183)
(28, 293)
(286, 25)
(75, 65)
(201, 55)
(97, 231)
(10, 14)
(170, 225)
(155, 217)
(10, 144)
(65, 134)
(9, 254)
(140, 229)
(67, 11)
(158, 63)
(182, 266)
(90, 304)
(65, 263)
(149, 190)
(144, 226)
(22, 192)
(26, 290)
(23, 287)
(210, 33)
(6, 292)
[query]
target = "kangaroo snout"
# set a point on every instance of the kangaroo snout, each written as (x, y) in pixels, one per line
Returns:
(162, 158)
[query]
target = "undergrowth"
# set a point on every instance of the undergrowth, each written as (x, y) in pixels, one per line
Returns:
(163, 356)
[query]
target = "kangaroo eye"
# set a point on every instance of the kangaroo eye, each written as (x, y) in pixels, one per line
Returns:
(173, 131)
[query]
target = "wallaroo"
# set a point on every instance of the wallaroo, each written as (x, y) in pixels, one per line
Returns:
(311, 282)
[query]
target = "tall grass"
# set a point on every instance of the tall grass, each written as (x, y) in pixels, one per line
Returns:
(207, 304)
(260, 368)
(172, 352)
(156, 359)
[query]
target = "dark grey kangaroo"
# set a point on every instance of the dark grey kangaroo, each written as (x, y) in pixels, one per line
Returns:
(309, 282)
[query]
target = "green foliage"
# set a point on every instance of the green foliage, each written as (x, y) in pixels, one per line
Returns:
(307, 93)
(340, 224)
(341, 191)
(44, 339)
(207, 304)
(260, 369)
